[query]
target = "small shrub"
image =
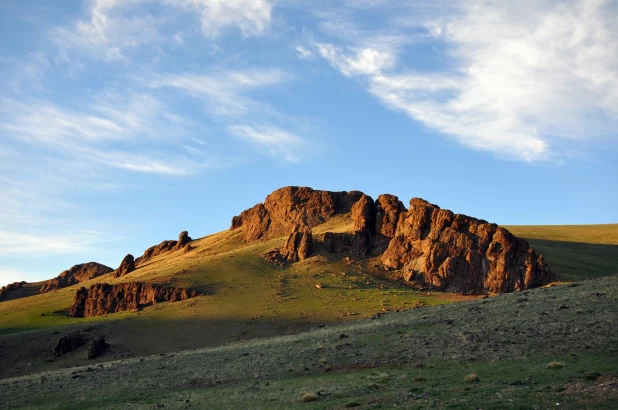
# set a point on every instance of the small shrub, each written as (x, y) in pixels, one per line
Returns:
(353, 404)
(471, 378)
(592, 376)
(556, 365)
(307, 397)
(383, 377)
(419, 378)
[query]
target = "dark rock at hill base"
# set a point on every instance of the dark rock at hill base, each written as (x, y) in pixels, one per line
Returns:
(96, 347)
(103, 298)
(289, 207)
(69, 342)
(429, 247)
(10, 287)
(126, 266)
(166, 246)
(76, 274)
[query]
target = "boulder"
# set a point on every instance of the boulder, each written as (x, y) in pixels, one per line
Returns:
(96, 347)
(183, 240)
(299, 246)
(363, 214)
(103, 298)
(126, 266)
(76, 274)
(69, 342)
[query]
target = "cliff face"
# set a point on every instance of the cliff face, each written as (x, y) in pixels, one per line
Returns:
(430, 247)
(291, 207)
(103, 298)
(76, 274)
(455, 252)
(166, 246)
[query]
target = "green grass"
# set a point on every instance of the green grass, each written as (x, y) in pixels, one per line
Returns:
(574, 252)
(507, 341)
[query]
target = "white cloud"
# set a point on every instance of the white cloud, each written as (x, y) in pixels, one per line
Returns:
(275, 142)
(252, 17)
(9, 274)
(304, 54)
(14, 243)
(224, 92)
(524, 78)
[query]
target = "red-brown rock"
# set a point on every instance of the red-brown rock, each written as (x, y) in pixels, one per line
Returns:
(437, 248)
(103, 298)
(357, 243)
(76, 274)
(389, 209)
(69, 342)
(288, 207)
(299, 246)
(126, 266)
(166, 246)
(10, 287)
(364, 214)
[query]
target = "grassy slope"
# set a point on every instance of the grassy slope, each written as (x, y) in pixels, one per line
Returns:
(506, 340)
(246, 298)
(575, 252)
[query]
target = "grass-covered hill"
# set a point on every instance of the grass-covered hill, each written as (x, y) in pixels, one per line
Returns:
(247, 301)
(542, 348)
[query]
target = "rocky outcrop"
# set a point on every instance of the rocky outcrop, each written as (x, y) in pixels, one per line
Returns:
(357, 243)
(103, 298)
(96, 347)
(454, 252)
(10, 287)
(289, 207)
(428, 246)
(126, 266)
(166, 246)
(76, 274)
(69, 342)
(299, 246)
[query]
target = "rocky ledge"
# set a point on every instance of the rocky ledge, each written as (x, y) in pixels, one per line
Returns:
(103, 298)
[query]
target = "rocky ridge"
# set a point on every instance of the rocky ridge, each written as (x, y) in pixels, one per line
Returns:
(76, 274)
(166, 246)
(10, 287)
(103, 298)
(425, 245)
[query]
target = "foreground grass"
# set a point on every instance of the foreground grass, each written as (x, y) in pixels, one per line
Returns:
(418, 358)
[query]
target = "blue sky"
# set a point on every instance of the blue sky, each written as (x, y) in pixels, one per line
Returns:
(123, 123)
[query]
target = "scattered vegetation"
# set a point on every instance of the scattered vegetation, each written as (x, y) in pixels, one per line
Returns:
(471, 378)
(556, 365)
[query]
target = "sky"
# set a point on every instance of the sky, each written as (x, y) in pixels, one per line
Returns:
(124, 122)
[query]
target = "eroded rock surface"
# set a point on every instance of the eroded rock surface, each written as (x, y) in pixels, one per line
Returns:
(454, 252)
(166, 246)
(103, 298)
(429, 246)
(96, 347)
(289, 207)
(69, 342)
(10, 287)
(299, 246)
(126, 266)
(76, 274)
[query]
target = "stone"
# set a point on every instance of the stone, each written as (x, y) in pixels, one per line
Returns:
(75, 275)
(103, 298)
(363, 214)
(126, 266)
(69, 342)
(96, 347)
(10, 288)
(438, 249)
(292, 206)
(166, 246)
(298, 247)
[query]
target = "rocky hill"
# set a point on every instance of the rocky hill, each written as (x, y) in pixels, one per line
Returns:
(76, 274)
(427, 246)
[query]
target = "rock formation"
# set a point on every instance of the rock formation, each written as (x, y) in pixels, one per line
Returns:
(103, 298)
(299, 246)
(289, 207)
(76, 274)
(96, 347)
(166, 246)
(428, 246)
(455, 252)
(69, 342)
(10, 287)
(126, 266)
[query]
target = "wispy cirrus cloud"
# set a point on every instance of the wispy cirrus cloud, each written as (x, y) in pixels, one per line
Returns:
(524, 81)
(276, 142)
